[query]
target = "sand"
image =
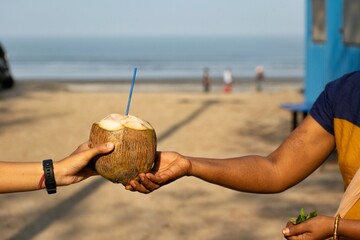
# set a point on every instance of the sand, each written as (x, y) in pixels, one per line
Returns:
(41, 120)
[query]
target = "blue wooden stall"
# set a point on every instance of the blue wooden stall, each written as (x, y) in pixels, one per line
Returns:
(332, 43)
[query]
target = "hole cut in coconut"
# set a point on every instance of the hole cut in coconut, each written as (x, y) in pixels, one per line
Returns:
(115, 122)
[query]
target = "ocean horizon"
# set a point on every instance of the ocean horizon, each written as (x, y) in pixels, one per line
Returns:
(71, 58)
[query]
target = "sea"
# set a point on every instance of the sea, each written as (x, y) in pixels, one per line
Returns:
(94, 58)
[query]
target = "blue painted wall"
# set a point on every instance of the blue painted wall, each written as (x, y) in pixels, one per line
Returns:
(327, 61)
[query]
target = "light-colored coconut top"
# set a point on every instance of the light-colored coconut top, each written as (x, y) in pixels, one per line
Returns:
(116, 121)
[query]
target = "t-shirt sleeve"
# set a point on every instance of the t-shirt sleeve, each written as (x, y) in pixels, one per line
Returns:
(322, 110)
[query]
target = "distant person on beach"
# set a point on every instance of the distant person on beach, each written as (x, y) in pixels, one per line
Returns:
(259, 70)
(26, 176)
(228, 79)
(206, 80)
(6, 80)
(333, 123)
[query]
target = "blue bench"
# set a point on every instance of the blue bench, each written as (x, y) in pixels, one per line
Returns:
(296, 109)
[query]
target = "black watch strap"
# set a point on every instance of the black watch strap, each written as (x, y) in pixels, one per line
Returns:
(50, 182)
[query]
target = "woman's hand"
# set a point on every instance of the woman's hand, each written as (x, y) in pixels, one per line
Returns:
(77, 167)
(316, 228)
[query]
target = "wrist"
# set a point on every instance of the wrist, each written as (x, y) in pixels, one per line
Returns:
(191, 170)
(59, 174)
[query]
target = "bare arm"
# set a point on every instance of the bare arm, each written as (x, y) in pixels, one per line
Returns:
(297, 157)
(18, 177)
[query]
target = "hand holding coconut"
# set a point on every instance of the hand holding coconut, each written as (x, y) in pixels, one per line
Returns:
(168, 167)
(77, 166)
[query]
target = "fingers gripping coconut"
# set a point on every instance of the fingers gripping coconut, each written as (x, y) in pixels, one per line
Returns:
(135, 147)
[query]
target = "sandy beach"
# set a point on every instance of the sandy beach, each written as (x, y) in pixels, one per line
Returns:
(41, 120)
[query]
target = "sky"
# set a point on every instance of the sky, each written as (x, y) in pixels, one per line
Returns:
(79, 18)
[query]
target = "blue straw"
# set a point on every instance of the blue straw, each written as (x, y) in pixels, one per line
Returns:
(131, 91)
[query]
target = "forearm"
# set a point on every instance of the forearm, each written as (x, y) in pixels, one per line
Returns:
(297, 157)
(22, 176)
(248, 174)
(18, 177)
(349, 229)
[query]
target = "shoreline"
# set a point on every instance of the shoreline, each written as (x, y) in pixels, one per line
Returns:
(159, 80)
(245, 84)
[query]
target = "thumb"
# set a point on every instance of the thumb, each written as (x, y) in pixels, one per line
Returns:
(86, 155)
(293, 230)
(102, 148)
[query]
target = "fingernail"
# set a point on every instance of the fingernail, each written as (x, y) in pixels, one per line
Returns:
(285, 231)
(142, 178)
(109, 145)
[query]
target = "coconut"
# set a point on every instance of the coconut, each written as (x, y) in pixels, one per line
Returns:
(135, 147)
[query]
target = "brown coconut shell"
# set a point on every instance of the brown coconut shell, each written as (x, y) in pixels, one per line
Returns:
(134, 153)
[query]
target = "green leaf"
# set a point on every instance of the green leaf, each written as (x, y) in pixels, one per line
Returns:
(302, 212)
(303, 217)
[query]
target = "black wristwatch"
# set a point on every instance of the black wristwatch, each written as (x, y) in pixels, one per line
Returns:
(50, 182)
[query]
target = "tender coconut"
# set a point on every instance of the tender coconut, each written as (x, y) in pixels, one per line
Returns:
(135, 147)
